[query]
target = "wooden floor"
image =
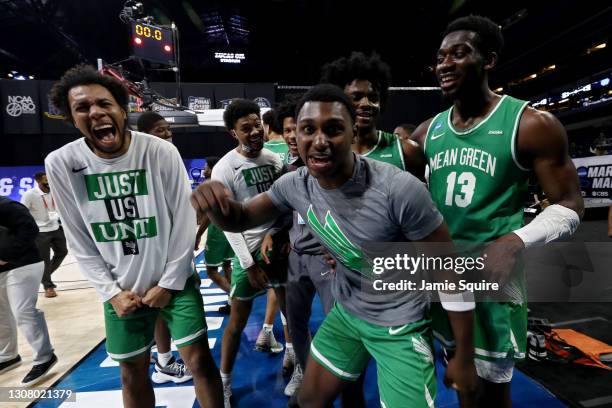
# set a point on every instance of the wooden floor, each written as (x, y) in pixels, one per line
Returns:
(76, 325)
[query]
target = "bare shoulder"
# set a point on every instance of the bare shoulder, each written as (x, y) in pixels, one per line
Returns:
(420, 132)
(539, 129)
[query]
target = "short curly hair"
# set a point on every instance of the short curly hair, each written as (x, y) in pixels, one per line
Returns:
(286, 109)
(269, 118)
(147, 120)
(237, 109)
(84, 74)
(343, 71)
(489, 36)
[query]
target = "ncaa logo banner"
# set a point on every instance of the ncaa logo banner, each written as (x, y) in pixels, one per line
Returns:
(20, 107)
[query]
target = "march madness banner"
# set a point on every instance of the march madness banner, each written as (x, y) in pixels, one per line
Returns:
(595, 174)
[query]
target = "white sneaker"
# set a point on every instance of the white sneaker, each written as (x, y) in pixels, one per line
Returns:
(266, 343)
(227, 393)
(174, 371)
(289, 362)
(295, 382)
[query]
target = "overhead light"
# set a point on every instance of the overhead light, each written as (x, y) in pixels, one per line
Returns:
(499, 89)
(596, 48)
(528, 78)
(550, 67)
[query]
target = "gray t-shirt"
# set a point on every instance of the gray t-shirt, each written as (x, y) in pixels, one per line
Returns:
(301, 238)
(380, 203)
(246, 177)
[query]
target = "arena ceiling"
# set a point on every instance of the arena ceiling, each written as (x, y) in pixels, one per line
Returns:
(287, 41)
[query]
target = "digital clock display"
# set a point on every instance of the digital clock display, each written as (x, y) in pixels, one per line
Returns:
(147, 31)
(152, 43)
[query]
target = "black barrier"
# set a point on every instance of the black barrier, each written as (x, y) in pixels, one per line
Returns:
(198, 96)
(224, 93)
(31, 113)
(31, 131)
(262, 94)
(49, 113)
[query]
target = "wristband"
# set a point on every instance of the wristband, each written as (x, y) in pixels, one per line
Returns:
(457, 302)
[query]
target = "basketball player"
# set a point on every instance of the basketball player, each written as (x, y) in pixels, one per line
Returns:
(361, 201)
(128, 222)
(366, 79)
(275, 142)
(167, 368)
(480, 154)
(245, 171)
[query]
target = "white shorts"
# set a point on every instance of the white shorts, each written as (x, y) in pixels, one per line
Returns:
(498, 372)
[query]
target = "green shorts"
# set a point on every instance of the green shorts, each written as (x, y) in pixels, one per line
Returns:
(241, 288)
(217, 249)
(500, 330)
(132, 335)
(404, 356)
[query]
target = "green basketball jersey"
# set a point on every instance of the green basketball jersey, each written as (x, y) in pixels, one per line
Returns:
(388, 149)
(279, 147)
(474, 175)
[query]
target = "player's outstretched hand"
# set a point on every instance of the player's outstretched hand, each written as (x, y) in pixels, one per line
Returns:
(211, 196)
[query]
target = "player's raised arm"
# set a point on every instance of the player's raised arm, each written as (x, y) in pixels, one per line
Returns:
(216, 201)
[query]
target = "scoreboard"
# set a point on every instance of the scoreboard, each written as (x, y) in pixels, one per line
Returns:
(153, 43)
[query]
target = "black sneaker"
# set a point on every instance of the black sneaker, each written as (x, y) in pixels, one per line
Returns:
(10, 364)
(293, 401)
(38, 371)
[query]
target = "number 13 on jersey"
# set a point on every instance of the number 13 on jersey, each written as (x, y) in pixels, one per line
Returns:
(465, 183)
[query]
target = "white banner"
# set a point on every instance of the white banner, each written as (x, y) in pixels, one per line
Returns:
(595, 174)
